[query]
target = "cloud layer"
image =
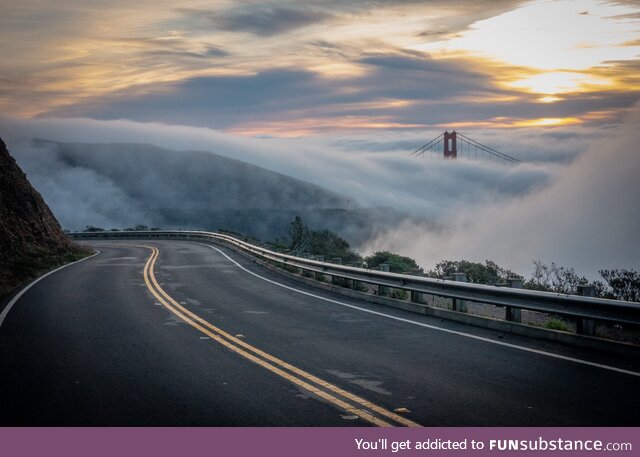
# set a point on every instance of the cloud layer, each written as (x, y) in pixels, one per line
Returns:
(394, 91)
(573, 201)
(375, 173)
(286, 69)
(588, 217)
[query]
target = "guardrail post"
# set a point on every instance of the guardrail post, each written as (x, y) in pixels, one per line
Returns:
(417, 297)
(336, 280)
(458, 304)
(587, 311)
(586, 326)
(513, 314)
(383, 290)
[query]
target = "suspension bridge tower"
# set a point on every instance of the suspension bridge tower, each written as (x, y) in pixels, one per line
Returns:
(469, 148)
(450, 144)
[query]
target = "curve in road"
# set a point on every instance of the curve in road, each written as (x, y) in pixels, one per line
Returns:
(348, 402)
(231, 343)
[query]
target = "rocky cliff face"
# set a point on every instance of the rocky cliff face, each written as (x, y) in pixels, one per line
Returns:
(31, 239)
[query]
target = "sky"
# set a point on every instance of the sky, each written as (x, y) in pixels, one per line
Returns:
(287, 68)
(339, 93)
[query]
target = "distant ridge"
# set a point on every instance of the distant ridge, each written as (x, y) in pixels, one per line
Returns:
(145, 184)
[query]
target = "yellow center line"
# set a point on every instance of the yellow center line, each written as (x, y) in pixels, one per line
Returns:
(283, 364)
(233, 344)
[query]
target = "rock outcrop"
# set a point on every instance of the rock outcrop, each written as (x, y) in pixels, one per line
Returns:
(31, 239)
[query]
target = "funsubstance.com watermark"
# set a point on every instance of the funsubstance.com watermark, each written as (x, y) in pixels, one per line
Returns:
(497, 445)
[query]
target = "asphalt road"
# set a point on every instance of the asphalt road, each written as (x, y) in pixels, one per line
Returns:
(181, 333)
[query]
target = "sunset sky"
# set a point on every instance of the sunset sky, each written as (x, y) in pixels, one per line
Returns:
(286, 68)
(339, 93)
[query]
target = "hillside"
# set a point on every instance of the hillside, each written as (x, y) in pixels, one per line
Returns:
(121, 185)
(31, 239)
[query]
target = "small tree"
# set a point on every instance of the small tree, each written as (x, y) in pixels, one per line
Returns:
(489, 273)
(621, 284)
(328, 244)
(91, 228)
(319, 242)
(299, 234)
(397, 263)
(554, 278)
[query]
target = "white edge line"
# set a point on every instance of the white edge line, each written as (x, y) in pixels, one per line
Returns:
(433, 327)
(14, 300)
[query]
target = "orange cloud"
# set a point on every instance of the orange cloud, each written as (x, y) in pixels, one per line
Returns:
(310, 126)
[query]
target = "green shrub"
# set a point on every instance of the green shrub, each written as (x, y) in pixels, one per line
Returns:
(290, 268)
(319, 242)
(556, 324)
(398, 294)
(360, 286)
(342, 282)
(34, 263)
(622, 284)
(487, 273)
(396, 262)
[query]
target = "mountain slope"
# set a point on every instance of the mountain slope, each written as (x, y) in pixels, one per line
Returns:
(122, 185)
(30, 237)
(198, 180)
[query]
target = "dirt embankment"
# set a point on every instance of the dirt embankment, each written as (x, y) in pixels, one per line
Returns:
(31, 240)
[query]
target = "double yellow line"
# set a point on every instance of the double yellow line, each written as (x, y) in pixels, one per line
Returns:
(348, 402)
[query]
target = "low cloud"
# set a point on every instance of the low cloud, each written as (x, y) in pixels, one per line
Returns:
(424, 187)
(571, 201)
(79, 196)
(588, 217)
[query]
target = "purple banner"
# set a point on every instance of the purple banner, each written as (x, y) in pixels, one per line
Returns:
(315, 442)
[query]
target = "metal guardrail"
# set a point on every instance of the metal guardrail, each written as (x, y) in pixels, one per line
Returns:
(582, 308)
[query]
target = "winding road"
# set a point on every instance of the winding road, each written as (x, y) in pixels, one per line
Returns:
(185, 333)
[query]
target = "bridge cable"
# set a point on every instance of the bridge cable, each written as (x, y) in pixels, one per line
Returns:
(427, 146)
(488, 149)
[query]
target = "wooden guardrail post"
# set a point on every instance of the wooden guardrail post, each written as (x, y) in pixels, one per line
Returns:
(319, 276)
(417, 297)
(336, 280)
(383, 290)
(513, 314)
(586, 326)
(458, 304)
(586, 310)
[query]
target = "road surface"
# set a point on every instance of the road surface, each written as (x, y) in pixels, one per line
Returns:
(185, 333)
